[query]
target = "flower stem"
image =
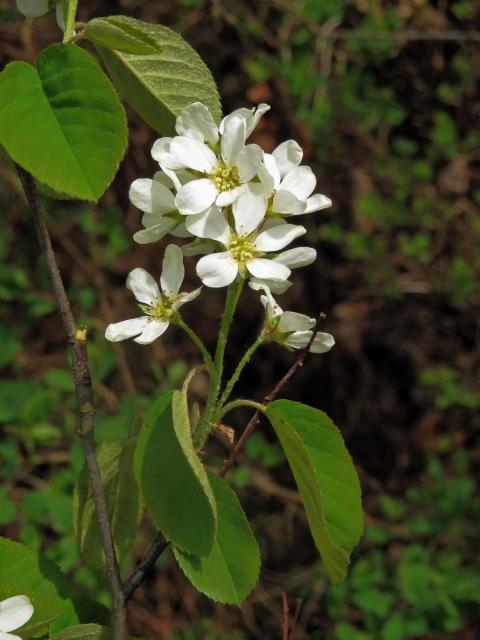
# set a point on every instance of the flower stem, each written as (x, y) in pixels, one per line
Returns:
(235, 404)
(233, 295)
(70, 20)
(238, 371)
(198, 342)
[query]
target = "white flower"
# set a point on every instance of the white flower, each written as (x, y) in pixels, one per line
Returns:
(14, 613)
(37, 8)
(225, 166)
(157, 201)
(290, 329)
(288, 185)
(160, 307)
(293, 259)
(243, 252)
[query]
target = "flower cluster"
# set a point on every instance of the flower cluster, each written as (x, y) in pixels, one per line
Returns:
(14, 613)
(237, 207)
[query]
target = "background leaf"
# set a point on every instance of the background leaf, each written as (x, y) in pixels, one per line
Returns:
(22, 571)
(157, 85)
(173, 480)
(230, 571)
(326, 479)
(63, 121)
(115, 459)
(85, 632)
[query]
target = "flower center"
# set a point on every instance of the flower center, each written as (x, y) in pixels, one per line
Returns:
(242, 250)
(225, 178)
(162, 310)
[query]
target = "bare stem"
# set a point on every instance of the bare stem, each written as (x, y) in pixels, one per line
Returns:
(85, 409)
(251, 426)
(158, 547)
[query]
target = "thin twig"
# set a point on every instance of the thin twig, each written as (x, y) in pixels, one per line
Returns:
(286, 615)
(84, 395)
(296, 615)
(159, 545)
(251, 426)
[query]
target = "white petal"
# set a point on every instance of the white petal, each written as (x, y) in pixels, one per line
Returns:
(152, 331)
(233, 138)
(298, 257)
(180, 231)
(15, 612)
(317, 203)
(273, 310)
(155, 232)
(256, 115)
(172, 176)
(198, 248)
(288, 156)
(249, 161)
(186, 297)
(151, 196)
(269, 174)
(272, 222)
(209, 224)
(250, 208)
(32, 8)
(278, 237)
(161, 153)
(287, 202)
(173, 271)
(165, 178)
(192, 154)
(275, 286)
(143, 286)
(126, 329)
(226, 198)
(250, 116)
(196, 196)
(60, 16)
(217, 269)
(300, 181)
(292, 321)
(196, 121)
(267, 269)
(322, 342)
(8, 636)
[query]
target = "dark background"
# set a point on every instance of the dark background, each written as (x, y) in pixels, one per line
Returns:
(383, 97)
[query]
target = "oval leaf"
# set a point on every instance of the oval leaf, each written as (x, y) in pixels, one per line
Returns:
(115, 459)
(173, 480)
(326, 479)
(159, 84)
(63, 122)
(230, 571)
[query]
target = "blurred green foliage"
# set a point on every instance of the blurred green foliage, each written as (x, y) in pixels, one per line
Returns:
(408, 222)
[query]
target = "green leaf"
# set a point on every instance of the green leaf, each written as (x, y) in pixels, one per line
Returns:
(157, 84)
(24, 572)
(63, 122)
(230, 571)
(173, 480)
(115, 459)
(123, 37)
(45, 609)
(326, 479)
(85, 632)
